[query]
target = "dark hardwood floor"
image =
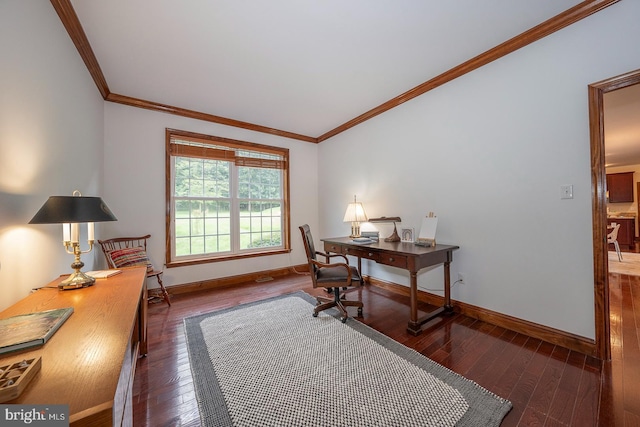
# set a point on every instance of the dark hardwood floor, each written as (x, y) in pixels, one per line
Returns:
(548, 385)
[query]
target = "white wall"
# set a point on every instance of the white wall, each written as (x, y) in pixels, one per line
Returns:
(488, 153)
(135, 187)
(51, 126)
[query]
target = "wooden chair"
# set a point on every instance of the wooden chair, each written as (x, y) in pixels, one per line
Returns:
(330, 276)
(613, 238)
(130, 251)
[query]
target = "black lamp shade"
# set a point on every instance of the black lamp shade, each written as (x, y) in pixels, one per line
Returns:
(66, 209)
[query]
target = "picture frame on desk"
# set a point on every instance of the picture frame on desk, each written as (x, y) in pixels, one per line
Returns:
(407, 234)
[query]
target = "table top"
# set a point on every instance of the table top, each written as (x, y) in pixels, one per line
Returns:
(404, 248)
(81, 362)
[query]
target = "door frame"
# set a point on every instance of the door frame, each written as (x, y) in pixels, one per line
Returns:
(599, 205)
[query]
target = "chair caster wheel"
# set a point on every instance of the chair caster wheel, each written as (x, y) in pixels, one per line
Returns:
(315, 314)
(343, 320)
(360, 312)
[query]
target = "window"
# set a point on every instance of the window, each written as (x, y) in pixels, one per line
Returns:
(226, 199)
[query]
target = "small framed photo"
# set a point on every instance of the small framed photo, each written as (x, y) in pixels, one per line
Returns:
(407, 235)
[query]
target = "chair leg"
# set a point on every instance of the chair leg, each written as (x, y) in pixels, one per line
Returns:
(324, 303)
(165, 294)
(337, 303)
(618, 250)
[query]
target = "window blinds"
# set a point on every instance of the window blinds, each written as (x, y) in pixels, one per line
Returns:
(250, 155)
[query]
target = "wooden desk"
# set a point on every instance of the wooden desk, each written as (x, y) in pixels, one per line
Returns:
(408, 257)
(90, 361)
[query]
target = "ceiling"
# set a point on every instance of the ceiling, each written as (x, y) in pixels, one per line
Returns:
(301, 66)
(622, 126)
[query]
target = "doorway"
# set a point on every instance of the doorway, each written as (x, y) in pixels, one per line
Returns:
(599, 205)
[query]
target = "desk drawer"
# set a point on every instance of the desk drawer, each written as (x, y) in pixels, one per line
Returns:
(393, 260)
(361, 253)
(332, 248)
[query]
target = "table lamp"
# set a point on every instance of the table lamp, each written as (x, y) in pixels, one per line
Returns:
(71, 211)
(355, 215)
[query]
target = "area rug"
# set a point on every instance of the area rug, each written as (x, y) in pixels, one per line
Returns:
(630, 264)
(270, 363)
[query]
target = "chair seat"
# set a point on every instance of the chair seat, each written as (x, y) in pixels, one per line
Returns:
(332, 275)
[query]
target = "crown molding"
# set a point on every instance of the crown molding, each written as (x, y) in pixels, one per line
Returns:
(154, 106)
(69, 19)
(536, 33)
(74, 28)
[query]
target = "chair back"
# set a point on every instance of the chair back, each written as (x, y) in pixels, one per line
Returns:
(613, 236)
(109, 245)
(309, 247)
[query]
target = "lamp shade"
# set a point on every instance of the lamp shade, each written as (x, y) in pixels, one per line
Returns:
(355, 213)
(73, 209)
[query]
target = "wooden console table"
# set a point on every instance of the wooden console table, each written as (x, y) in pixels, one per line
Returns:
(407, 256)
(89, 363)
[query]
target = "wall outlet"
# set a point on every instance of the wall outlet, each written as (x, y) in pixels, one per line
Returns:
(461, 278)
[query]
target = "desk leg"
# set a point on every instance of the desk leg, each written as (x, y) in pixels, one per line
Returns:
(414, 326)
(447, 288)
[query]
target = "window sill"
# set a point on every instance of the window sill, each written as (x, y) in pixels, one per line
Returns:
(225, 258)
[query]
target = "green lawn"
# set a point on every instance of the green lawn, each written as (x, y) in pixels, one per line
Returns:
(198, 235)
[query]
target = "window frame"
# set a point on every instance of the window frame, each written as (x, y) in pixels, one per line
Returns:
(232, 144)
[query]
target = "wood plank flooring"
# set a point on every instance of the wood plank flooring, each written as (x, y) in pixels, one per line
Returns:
(548, 385)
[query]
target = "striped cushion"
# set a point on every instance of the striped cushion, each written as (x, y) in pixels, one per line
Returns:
(128, 257)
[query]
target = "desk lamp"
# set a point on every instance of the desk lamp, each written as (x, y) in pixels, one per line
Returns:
(355, 214)
(394, 236)
(70, 211)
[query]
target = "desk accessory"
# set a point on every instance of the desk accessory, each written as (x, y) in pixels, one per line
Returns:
(103, 274)
(15, 377)
(373, 235)
(407, 234)
(427, 235)
(394, 236)
(32, 329)
(355, 214)
(70, 211)
(423, 243)
(363, 240)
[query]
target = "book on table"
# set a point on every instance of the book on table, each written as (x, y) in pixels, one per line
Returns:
(103, 274)
(32, 329)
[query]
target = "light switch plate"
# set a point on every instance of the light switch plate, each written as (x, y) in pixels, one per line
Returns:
(566, 191)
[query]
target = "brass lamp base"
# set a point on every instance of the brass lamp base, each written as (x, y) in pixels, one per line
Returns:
(355, 230)
(76, 280)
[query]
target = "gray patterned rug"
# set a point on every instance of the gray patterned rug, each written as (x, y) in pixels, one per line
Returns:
(270, 363)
